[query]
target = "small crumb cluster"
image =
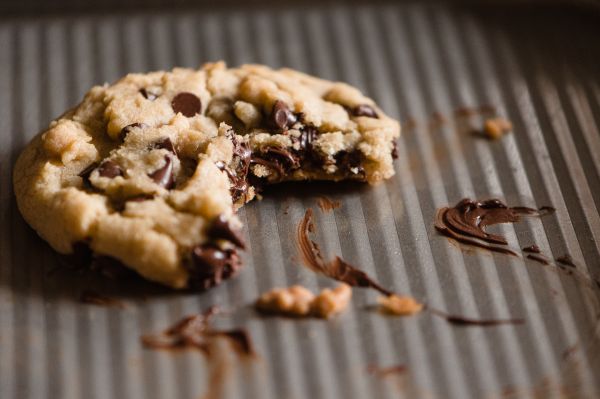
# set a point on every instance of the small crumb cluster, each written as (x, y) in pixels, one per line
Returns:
(399, 305)
(298, 301)
(494, 128)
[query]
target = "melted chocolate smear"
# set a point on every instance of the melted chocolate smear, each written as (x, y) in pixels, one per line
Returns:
(186, 103)
(539, 258)
(466, 222)
(125, 131)
(364, 110)
(109, 169)
(209, 265)
(337, 268)
(566, 260)
(467, 321)
(221, 229)
(385, 371)
(534, 249)
(94, 298)
(186, 333)
(327, 204)
(277, 159)
(281, 116)
(195, 332)
(164, 175)
(148, 94)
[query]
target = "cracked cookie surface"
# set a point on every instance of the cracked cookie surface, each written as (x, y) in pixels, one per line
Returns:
(148, 172)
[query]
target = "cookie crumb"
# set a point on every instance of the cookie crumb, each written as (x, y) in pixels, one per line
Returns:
(494, 128)
(298, 301)
(399, 305)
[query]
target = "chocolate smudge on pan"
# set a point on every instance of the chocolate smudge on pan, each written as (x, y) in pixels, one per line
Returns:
(539, 258)
(466, 222)
(94, 298)
(195, 332)
(385, 371)
(326, 204)
(467, 321)
(337, 269)
(534, 249)
(566, 260)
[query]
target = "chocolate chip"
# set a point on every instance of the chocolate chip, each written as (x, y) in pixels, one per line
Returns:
(281, 116)
(221, 229)
(394, 150)
(85, 174)
(125, 131)
(164, 175)
(364, 110)
(186, 103)
(210, 265)
(109, 169)
(165, 144)
(148, 94)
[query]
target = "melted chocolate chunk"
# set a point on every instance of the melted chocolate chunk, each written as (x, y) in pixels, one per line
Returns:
(148, 94)
(238, 175)
(85, 175)
(394, 149)
(364, 110)
(165, 144)
(534, 249)
(164, 175)
(566, 260)
(308, 134)
(337, 269)
(186, 103)
(281, 116)
(466, 222)
(125, 131)
(349, 163)
(109, 169)
(210, 265)
(221, 230)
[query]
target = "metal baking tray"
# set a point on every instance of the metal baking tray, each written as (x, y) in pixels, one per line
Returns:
(423, 63)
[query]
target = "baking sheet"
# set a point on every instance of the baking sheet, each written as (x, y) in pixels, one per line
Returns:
(420, 62)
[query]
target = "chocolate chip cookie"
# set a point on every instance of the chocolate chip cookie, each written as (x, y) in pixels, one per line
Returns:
(148, 172)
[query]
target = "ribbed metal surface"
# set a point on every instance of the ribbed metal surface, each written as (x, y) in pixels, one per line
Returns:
(539, 67)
